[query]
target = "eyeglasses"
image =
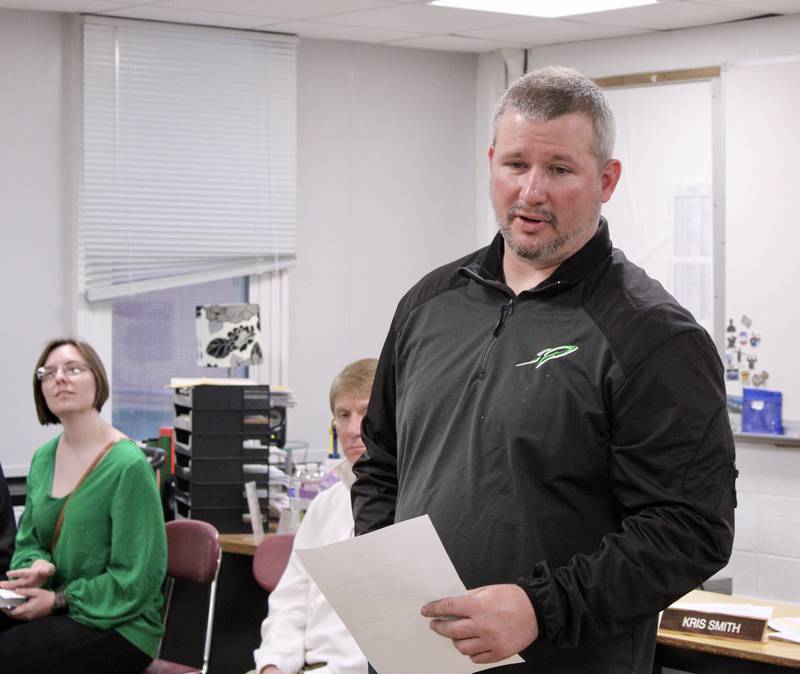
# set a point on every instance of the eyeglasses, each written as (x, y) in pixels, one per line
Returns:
(71, 370)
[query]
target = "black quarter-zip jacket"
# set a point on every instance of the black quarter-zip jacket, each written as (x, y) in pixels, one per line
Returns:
(573, 439)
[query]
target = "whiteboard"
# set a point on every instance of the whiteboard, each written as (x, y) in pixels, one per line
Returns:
(762, 166)
(661, 213)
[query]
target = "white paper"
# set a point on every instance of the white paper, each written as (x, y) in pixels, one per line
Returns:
(788, 629)
(740, 610)
(377, 584)
(255, 510)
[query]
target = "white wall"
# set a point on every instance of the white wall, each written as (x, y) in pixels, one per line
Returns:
(386, 192)
(766, 559)
(35, 274)
(676, 49)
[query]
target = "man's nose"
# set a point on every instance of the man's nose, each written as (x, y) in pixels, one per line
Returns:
(355, 424)
(534, 190)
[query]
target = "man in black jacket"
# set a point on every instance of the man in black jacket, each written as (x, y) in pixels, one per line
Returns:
(8, 528)
(555, 411)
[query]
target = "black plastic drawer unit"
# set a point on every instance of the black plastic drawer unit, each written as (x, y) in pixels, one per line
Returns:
(220, 432)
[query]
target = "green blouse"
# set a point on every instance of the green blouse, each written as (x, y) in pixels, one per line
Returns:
(111, 556)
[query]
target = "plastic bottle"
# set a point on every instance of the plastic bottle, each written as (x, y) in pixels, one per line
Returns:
(294, 485)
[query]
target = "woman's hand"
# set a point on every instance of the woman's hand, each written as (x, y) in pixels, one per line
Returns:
(34, 576)
(40, 604)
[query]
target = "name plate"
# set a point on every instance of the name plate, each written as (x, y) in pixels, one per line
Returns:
(714, 624)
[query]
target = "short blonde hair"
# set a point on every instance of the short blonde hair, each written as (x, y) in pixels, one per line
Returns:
(355, 380)
(44, 413)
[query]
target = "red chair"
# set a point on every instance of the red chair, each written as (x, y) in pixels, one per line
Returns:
(193, 554)
(272, 556)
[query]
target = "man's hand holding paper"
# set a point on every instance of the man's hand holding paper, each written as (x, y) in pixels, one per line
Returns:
(378, 583)
(488, 624)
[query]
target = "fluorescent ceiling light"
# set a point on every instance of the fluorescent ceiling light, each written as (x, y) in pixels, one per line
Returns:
(543, 8)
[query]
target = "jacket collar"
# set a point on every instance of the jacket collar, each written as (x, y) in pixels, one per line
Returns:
(488, 267)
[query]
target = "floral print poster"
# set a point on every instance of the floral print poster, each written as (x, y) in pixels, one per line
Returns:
(228, 335)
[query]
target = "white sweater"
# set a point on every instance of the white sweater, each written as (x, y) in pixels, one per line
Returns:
(301, 627)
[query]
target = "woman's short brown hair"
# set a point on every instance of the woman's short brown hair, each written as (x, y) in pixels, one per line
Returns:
(355, 380)
(95, 365)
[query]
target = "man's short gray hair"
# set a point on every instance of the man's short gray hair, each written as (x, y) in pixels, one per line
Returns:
(552, 92)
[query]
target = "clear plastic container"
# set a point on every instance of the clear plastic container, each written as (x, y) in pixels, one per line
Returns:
(295, 482)
(310, 482)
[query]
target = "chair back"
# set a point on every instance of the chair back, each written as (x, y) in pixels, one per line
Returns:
(194, 554)
(193, 550)
(156, 458)
(270, 560)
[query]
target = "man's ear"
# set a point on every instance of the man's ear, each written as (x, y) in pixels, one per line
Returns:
(491, 151)
(609, 179)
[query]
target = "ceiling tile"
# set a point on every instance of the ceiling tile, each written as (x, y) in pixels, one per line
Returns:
(330, 31)
(159, 13)
(760, 6)
(283, 9)
(452, 43)
(552, 31)
(424, 19)
(64, 5)
(667, 15)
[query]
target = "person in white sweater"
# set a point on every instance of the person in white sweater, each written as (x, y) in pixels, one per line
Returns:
(301, 632)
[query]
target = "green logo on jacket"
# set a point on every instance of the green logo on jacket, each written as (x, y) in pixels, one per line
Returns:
(549, 354)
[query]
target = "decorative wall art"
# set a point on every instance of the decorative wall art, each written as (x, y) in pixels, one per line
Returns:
(228, 335)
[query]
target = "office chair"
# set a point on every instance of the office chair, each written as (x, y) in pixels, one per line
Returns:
(270, 560)
(193, 554)
(156, 458)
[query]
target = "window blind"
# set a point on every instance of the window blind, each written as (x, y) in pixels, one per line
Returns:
(188, 164)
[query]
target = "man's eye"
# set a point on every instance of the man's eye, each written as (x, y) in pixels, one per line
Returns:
(561, 170)
(516, 165)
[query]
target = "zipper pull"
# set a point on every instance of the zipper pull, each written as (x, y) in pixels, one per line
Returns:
(505, 312)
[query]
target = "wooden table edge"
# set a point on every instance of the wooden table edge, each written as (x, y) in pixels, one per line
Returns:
(241, 544)
(725, 647)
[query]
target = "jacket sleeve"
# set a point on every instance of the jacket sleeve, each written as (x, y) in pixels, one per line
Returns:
(672, 473)
(374, 494)
(138, 558)
(8, 527)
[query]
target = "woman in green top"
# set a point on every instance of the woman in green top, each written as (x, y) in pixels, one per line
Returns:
(93, 580)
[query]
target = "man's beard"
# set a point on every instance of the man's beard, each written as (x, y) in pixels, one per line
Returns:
(544, 253)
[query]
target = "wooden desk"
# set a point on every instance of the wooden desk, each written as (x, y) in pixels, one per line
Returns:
(709, 655)
(241, 544)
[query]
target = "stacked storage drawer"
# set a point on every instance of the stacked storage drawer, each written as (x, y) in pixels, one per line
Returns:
(220, 432)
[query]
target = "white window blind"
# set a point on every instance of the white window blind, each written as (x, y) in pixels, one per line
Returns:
(188, 155)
